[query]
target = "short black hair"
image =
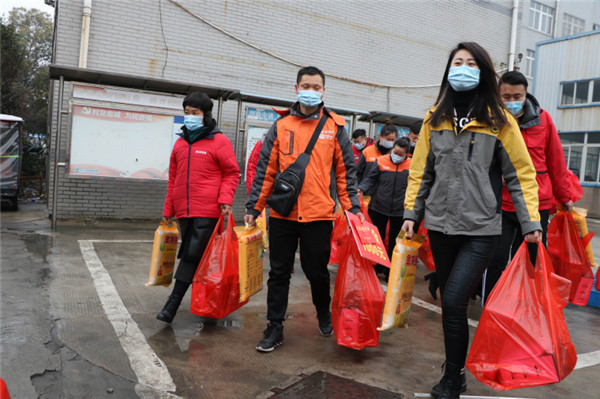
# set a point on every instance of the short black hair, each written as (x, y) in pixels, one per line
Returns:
(416, 127)
(358, 133)
(201, 101)
(388, 129)
(310, 70)
(514, 78)
(403, 142)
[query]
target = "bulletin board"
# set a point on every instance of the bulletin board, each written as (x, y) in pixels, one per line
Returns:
(124, 134)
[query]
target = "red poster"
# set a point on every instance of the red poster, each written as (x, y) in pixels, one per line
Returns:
(369, 242)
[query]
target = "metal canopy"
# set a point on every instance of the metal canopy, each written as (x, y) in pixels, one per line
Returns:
(85, 75)
(397, 119)
(282, 102)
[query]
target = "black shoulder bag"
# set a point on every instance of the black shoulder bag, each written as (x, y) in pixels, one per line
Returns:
(289, 182)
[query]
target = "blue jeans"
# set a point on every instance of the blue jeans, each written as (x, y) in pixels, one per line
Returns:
(459, 262)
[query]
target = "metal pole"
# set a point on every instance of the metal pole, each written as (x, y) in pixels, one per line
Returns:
(61, 85)
(353, 127)
(219, 111)
(513, 35)
(238, 122)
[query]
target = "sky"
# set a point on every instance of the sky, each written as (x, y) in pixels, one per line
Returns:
(7, 5)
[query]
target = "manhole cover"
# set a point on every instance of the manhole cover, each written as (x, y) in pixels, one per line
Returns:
(321, 385)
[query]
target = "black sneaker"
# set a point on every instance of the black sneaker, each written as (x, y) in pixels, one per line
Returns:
(325, 327)
(273, 337)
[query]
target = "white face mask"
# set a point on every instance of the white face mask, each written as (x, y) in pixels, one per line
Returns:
(386, 144)
(396, 158)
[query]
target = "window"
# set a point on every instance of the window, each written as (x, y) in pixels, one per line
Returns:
(596, 91)
(591, 164)
(541, 17)
(529, 58)
(568, 90)
(581, 93)
(596, 27)
(582, 153)
(584, 92)
(572, 25)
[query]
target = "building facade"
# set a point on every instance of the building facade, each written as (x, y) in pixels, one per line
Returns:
(567, 83)
(386, 56)
(550, 19)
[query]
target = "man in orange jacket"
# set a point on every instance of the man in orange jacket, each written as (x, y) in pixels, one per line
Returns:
(387, 137)
(311, 219)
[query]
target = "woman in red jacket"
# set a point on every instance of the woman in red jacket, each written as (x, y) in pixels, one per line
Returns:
(203, 177)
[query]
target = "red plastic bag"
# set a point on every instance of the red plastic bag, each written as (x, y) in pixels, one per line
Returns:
(598, 279)
(340, 225)
(358, 299)
(425, 253)
(216, 284)
(3, 390)
(569, 258)
(522, 339)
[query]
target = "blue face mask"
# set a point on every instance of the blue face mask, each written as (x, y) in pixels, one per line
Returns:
(514, 107)
(309, 98)
(193, 122)
(359, 146)
(386, 144)
(396, 158)
(463, 78)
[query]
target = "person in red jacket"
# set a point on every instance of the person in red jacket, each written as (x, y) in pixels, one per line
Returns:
(203, 177)
(360, 141)
(546, 152)
(252, 162)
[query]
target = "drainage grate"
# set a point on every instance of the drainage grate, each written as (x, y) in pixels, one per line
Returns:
(321, 385)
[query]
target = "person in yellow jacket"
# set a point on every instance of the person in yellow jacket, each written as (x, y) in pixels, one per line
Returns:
(468, 142)
(310, 221)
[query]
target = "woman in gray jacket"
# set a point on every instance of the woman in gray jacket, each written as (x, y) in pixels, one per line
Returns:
(468, 143)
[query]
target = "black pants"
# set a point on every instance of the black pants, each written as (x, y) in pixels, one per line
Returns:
(195, 234)
(314, 254)
(380, 221)
(508, 244)
(459, 262)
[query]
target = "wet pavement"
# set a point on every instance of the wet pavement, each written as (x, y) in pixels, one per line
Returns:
(78, 322)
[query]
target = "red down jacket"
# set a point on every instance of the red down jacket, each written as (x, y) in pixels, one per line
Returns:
(202, 176)
(546, 152)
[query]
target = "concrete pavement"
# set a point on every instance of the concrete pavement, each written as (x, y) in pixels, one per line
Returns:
(78, 322)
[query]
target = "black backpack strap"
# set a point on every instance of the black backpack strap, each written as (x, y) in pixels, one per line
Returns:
(315, 136)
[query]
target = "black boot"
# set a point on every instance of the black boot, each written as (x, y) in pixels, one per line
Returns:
(452, 383)
(433, 284)
(168, 313)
